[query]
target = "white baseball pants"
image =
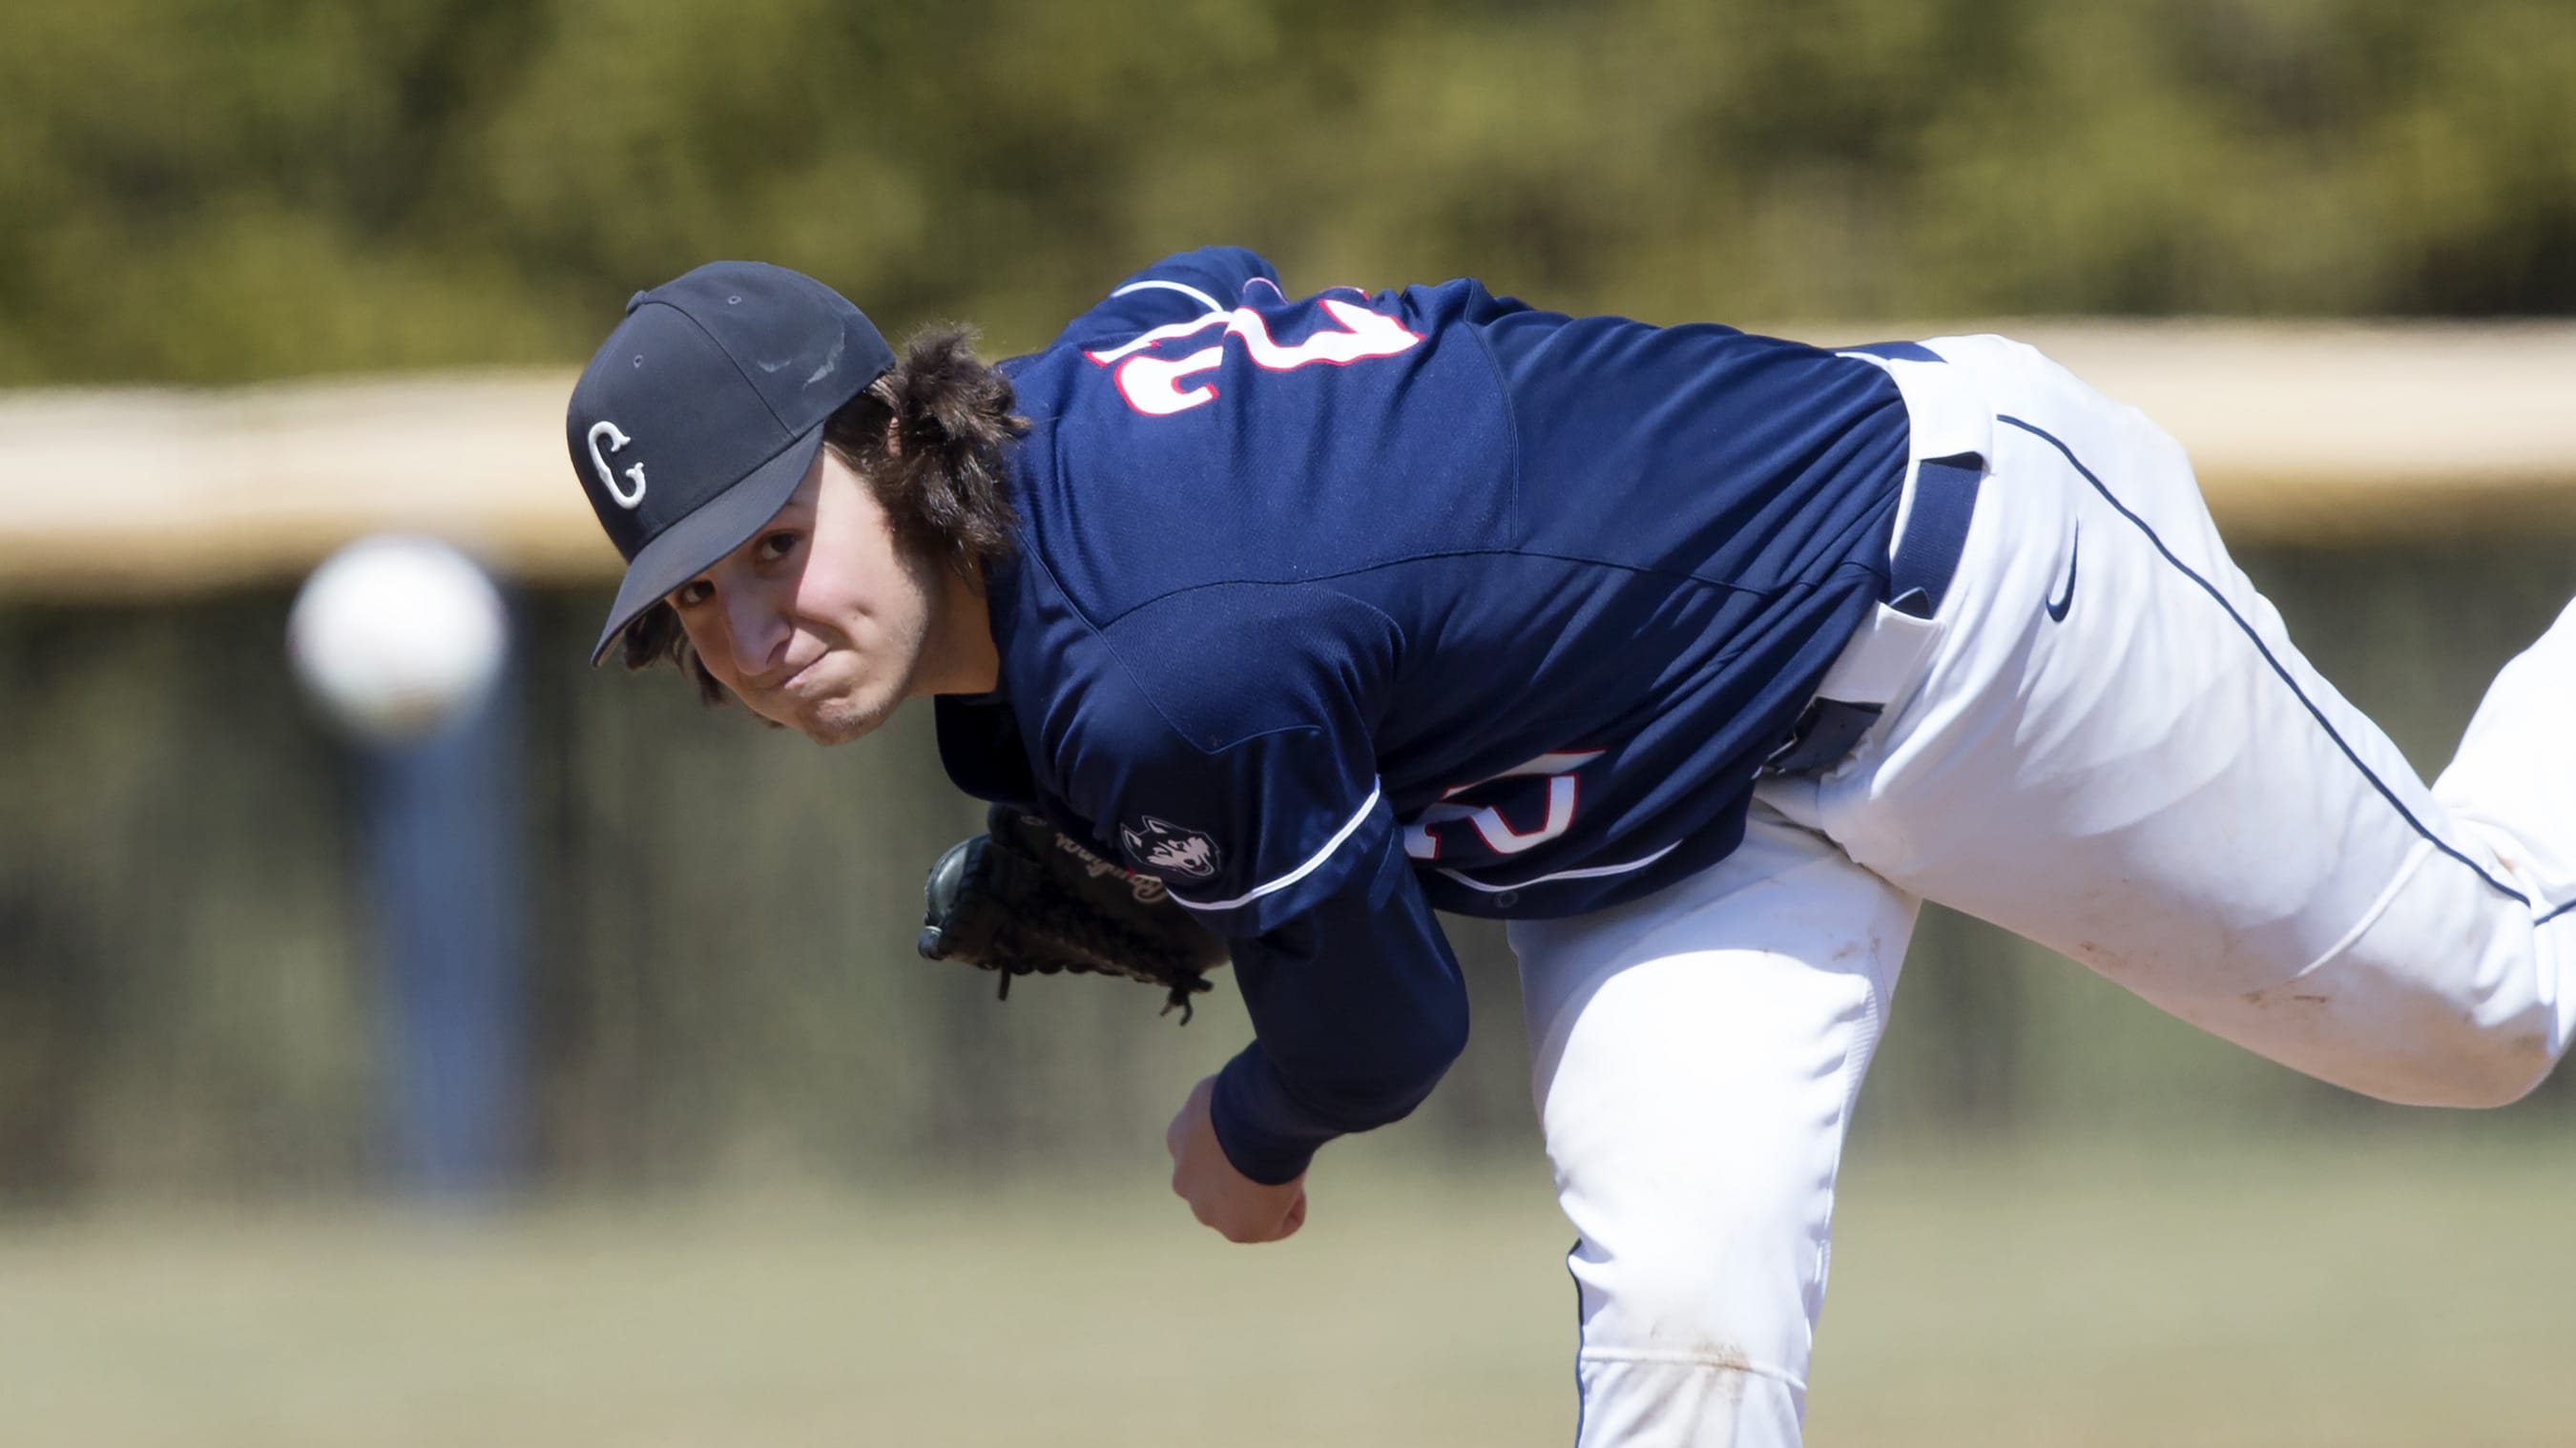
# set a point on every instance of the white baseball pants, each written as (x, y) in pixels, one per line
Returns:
(2105, 743)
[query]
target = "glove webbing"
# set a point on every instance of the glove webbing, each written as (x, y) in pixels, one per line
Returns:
(1038, 931)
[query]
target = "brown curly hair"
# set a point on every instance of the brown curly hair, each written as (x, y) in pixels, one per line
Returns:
(932, 438)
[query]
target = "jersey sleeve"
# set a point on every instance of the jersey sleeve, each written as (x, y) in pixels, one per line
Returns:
(1226, 748)
(1356, 1002)
(1246, 836)
(1357, 1009)
(1247, 783)
(1180, 288)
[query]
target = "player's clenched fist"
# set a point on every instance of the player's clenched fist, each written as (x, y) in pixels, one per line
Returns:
(1239, 1208)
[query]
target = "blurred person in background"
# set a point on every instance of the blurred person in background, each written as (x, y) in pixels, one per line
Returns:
(1702, 658)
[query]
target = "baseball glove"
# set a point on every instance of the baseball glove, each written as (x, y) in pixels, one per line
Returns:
(1024, 899)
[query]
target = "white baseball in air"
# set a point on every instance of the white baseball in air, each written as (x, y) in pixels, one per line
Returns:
(395, 635)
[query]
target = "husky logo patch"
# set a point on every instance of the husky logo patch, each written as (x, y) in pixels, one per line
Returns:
(1161, 845)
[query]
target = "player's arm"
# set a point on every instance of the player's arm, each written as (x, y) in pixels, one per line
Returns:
(1358, 1009)
(1357, 1004)
(1180, 288)
(1255, 799)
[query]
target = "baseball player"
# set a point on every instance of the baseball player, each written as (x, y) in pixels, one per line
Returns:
(1702, 658)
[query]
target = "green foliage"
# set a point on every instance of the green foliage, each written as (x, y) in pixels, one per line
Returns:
(215, 190)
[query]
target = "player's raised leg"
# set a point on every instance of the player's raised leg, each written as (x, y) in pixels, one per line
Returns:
(1696, 1055)
(2117, 752)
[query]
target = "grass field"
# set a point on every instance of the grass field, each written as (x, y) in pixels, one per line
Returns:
(2350, 1297)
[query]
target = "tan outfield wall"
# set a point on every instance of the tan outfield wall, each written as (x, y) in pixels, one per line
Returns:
(2302, 432)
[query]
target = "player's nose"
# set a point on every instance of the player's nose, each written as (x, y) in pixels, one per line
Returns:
(757, 631)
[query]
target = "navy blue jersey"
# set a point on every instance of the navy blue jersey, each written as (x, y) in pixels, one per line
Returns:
(1332, 612)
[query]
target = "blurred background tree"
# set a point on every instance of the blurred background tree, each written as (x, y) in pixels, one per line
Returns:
(224, 191)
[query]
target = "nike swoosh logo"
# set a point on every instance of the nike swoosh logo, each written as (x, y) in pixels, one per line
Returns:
(2058, 606)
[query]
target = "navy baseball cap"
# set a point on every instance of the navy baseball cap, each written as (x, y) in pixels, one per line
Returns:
(699, 415)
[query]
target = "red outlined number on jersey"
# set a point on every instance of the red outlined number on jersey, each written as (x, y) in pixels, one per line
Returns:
(1547, 782)
(1159, 386)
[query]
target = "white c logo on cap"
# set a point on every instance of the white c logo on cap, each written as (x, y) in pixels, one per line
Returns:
(607, 479)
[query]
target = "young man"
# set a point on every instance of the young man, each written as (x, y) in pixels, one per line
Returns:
(1702, 658)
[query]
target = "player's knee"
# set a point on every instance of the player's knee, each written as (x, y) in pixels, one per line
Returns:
(2507, 1070)
(1685, 1306)
(2483, 1069)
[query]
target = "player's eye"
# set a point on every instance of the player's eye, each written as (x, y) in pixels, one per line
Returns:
(692, 593)
(777, 546)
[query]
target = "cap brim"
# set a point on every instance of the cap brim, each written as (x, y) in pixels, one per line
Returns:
(692, 545)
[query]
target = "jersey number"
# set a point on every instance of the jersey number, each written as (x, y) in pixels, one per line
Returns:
(1549, 777)
(1153, 385)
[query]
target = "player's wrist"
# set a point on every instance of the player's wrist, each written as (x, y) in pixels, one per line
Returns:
(1265, 1157)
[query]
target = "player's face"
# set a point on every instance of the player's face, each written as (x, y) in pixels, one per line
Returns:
(821, 619)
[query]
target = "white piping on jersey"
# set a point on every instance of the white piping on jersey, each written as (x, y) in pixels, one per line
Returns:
(1592, 873)
(1184, 288)
(1163, 333)
(1302, 871)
